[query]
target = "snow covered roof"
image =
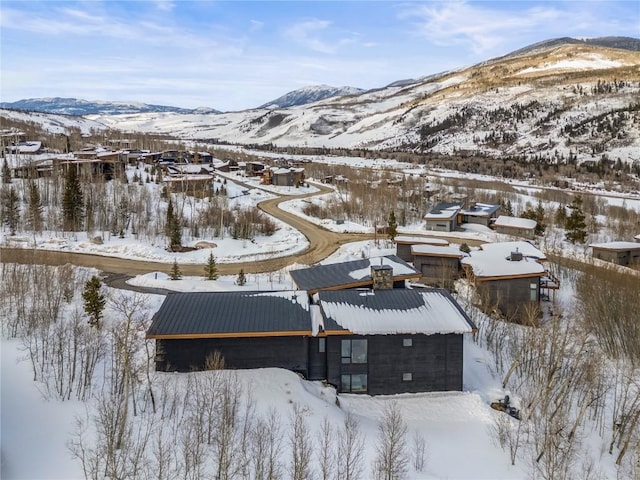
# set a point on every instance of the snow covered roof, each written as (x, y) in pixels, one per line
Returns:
(388, 312)
(219, 314)
(437, 251)
(481, 210)
(494, 260)
(637, 238)
(350, 274)
(26, 147)
(515, 222)
(414, 240)
(444, 210)
(617, 246)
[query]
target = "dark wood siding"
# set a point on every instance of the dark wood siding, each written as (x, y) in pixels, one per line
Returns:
(438, 270)
(317, 359)
(434, 362)
(403, 251)
(509, 295)
(257, 352)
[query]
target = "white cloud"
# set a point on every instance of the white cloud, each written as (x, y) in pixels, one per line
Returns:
(306, 33)
(486, 30)
(165, 5)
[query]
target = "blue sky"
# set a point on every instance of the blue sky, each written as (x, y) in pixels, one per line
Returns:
(233, 55)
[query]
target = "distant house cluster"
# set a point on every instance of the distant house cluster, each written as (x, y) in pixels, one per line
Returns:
(450, 215)
(354, 325)
(28, 159)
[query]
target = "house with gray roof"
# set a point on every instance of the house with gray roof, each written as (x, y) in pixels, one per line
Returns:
(353, 274)
(376, 341)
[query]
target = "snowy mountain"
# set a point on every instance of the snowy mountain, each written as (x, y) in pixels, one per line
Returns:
(557, 102)
(303, 96)
(571, 100)
(74, 106)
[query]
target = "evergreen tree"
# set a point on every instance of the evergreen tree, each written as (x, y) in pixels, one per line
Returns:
(506, 207)
(35, 208)
(541, 226)
(392, 227)
(241, 278)
(6, 172)
(172, 228)
(576, 227)
(176, 274)
(72, 201)
(210, 269)
(561, 216)
(94, 301)
(11, 209)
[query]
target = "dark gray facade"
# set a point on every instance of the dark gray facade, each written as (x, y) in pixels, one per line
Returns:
(440, 271)
(397, 364)
(511, 296)
(186, 355)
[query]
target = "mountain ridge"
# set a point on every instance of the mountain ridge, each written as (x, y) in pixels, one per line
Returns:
(310, 94)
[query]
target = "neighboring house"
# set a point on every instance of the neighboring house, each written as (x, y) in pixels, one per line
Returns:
(439, 265)
(354, 274)
(284, 177)
(443, 217)
(478, 213)
(405, 242)
(516, 226)
(509, 277)
(637, 238)
(253, 169)
(26, 148)
(622, 253)
(362, 341)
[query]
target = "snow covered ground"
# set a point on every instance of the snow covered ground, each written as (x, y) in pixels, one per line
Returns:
(455, 425)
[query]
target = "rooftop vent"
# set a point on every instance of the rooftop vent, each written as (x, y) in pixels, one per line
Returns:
(516, 256)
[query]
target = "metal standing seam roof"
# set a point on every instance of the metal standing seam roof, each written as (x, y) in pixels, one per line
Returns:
(337, 275)
(211, 314)
(362, 311)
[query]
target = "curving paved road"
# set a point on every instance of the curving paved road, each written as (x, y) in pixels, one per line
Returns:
(322, 243)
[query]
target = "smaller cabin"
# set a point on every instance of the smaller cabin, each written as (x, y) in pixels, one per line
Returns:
(478, 213)
(443, 217)
(405, 242)
(516, 226)
(439, 265)
(621, 253)
(509, 277)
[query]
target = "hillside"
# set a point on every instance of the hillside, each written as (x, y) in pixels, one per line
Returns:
(306, 95)
(572, 100)
(74, 106)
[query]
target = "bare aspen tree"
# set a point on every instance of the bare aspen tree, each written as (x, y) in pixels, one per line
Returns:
(419, 451)
(325, 453)
(300, 444)
(351, 448)
(391, 461)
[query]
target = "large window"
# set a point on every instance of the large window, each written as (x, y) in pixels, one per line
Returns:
(354, 351)
(354, 383)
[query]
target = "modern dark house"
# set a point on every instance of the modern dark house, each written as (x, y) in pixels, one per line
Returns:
(353, 274)
(381, 341)
(509, 277)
